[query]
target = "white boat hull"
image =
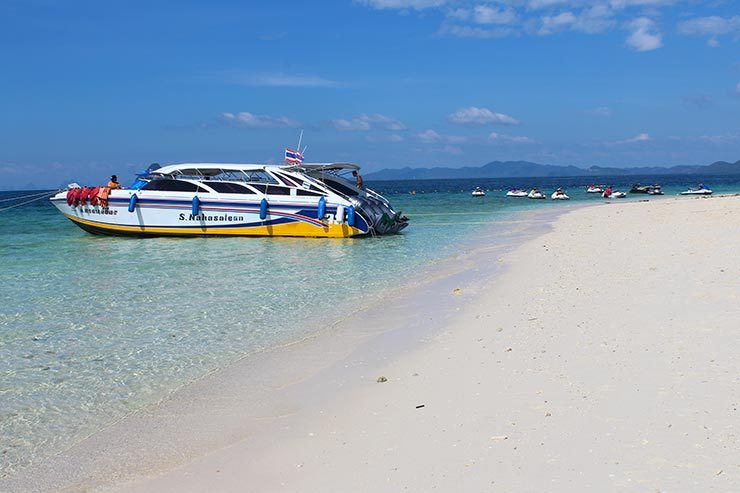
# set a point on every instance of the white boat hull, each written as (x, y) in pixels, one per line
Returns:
(155, 215)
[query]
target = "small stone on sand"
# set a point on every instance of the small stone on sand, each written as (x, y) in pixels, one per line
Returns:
(382, 379)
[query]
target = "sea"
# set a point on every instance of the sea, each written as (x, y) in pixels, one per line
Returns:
(93, 328)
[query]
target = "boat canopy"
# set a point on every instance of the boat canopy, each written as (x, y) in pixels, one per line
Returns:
(206, 169)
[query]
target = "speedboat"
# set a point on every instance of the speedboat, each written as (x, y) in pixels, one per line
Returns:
(559, 194)
(204, 199)
(516, 192)
(700, 190)
(536, 194)
(478, 192)
(594, 189)
(647, 189)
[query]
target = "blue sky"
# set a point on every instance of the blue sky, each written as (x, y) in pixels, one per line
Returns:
(94, 88)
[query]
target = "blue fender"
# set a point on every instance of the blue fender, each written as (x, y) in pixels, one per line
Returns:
(263, 209)
(132, 203)
(321, 213)
(196, 205)
(351, 215)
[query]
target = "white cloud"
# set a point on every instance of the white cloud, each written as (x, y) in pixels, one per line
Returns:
(492, 19)
(592, 20)
(250, 120)
(484, 14)
(430, 136)
(642, 137)
(479, 116)
(477, 32)
(515, 139)
(710, 26)
(365, 122)
(552, 24)
(402, 4)
(645, 36)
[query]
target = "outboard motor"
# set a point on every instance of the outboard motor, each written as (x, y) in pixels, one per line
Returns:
(375, 209)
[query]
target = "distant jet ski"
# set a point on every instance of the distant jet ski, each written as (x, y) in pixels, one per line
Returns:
(536, 194)
(516, 192)
(700, 190)
(559, 194)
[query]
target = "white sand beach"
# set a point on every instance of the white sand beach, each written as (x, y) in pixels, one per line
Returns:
(601, 355)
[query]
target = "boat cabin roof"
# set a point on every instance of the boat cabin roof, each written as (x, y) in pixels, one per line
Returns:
(213, 169)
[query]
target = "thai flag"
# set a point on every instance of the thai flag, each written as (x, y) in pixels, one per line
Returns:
(293, 157)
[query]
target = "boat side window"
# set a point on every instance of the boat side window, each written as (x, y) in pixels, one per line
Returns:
(341, 188)
(173, 186)
(274, 190)
(260, 176)
(288, 180)
(311, 193)
(226, 187)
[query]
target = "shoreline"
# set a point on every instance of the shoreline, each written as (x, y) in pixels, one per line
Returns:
(92, 464)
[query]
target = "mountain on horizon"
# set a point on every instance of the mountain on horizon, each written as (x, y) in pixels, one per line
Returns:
(526, 169)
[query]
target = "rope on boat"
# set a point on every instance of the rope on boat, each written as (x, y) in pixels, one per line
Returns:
(44, 196)
(37, 194)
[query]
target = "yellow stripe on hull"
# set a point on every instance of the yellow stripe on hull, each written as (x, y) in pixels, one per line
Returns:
(298, 229)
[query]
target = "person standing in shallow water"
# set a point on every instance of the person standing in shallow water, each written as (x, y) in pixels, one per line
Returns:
(358, 177)
(113, 183)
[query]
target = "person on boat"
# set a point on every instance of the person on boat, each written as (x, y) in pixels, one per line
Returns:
(358, 177)
(113, 183)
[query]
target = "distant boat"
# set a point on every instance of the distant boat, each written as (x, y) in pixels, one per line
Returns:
(648, 189)
(559, 194)
(700, 190)
(595, 189)
(536, 194)
(516, 192)
(478, 192)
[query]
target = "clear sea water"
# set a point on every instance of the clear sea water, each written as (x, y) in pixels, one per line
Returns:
(93, 328)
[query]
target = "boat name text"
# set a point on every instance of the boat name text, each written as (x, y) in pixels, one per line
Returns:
(207, 217)
(88, 210)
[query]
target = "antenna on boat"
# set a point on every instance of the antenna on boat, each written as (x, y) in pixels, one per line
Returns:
(300, 139)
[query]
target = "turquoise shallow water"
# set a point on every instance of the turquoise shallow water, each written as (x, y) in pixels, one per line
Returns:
(93, 328)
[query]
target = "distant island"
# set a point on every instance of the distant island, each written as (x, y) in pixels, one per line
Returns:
(526, 169)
